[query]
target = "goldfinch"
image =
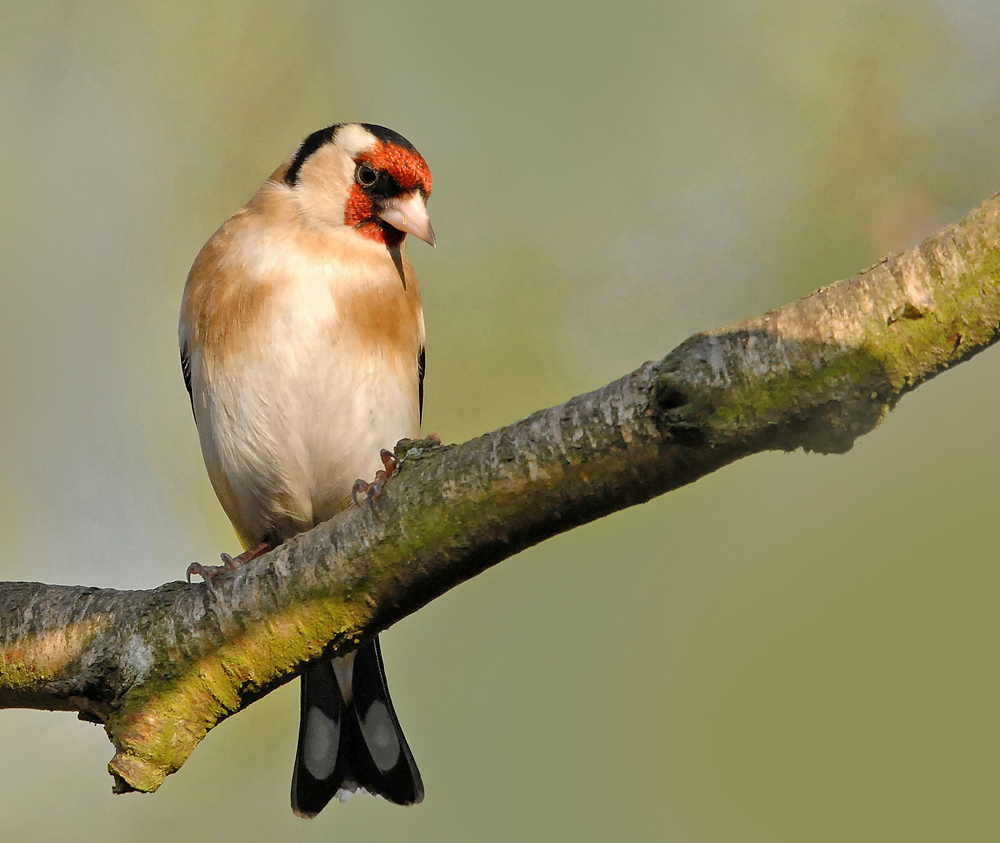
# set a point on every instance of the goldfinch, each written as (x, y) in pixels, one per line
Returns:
(302, 347)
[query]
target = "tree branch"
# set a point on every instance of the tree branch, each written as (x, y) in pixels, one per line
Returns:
(160, 668)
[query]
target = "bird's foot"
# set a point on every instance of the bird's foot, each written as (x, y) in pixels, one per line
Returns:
(373, 491)
(229, 563)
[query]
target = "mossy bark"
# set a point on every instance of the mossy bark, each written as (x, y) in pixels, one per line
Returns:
(160, 668)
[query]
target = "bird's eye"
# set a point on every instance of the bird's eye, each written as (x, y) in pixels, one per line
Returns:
(365, 175)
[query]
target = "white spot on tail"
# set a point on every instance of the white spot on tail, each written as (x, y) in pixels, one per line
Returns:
(380, 735)
(321, 742)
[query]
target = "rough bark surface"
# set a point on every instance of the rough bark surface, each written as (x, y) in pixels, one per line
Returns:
(160, 668)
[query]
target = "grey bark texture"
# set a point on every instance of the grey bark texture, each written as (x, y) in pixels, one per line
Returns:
(160, 668)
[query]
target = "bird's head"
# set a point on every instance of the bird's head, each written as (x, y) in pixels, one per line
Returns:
(363, 176)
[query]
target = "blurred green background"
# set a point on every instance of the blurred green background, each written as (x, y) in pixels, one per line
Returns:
(796, 648)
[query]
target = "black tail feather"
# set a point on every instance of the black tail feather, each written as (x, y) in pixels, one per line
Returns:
(349, 736)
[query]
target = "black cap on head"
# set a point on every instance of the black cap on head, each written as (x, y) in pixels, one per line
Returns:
(388, 136)
(324, 136)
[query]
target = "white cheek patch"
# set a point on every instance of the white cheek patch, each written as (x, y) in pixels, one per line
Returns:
(380, 736)
(321, 743)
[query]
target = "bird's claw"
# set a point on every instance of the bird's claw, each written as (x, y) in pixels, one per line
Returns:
(373, 491)
(229, 563)
(207, 572)
(389, 461)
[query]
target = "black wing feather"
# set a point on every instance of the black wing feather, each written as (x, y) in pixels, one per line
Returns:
(421, 365)
(186, 369)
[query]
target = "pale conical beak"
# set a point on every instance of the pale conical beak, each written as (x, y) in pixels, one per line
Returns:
(408, 213)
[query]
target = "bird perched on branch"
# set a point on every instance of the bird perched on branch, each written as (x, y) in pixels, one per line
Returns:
(302, 346)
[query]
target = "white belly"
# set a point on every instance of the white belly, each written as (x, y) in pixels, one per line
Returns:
(287, 430)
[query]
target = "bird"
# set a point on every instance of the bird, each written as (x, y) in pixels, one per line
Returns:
(302, 349)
